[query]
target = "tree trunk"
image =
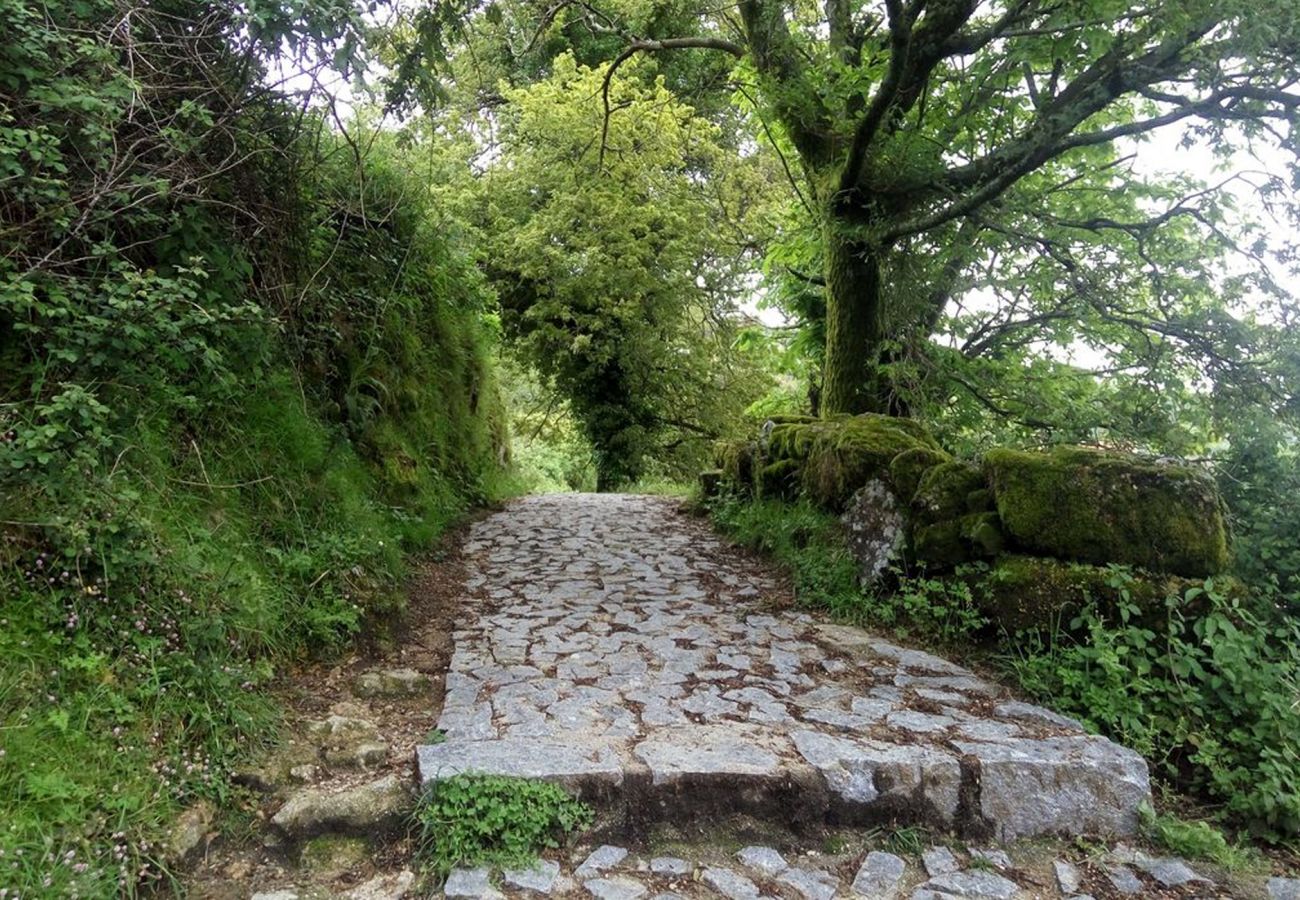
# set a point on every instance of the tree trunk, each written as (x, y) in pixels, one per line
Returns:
(855, 328)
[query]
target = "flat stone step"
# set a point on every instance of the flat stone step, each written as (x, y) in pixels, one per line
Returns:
(617, 647)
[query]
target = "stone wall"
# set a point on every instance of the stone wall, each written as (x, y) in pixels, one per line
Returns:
(1048, 523)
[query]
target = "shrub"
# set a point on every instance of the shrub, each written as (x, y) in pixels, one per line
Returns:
(490, 820)
(1213, 699)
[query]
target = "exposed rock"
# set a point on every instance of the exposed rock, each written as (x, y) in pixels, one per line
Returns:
(1067, 876)
(600, 859)
(470, 883)
(376, 805)
(390, 886)
(810, 884)
(189, 833)
(858, 770)
(879, 876)
(1124, 880)
(1284, 889)
(996, 858)
(615, 888)
(729, 884)
(539, 877)
(875, 530)
(1059, 785)
(939, 861)
(974, 884)
(763, 859)
(392, 684)
(670, 865)
(275, 895)
(1169, 872)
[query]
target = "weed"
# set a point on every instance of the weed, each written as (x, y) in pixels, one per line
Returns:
(1196, 840)
(476, 820)
(909, 841)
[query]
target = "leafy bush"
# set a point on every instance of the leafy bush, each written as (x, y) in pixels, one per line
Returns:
(1213, 699)
(489, 820)
(242, 376)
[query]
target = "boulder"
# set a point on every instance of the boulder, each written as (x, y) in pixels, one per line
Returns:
(945, 491)
(1100, 507)
(845, 454)
(736, 459)
(875, 530)
(376, 805)
(910, 466)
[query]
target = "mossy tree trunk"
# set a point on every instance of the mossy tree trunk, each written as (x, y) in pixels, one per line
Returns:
(856, 328)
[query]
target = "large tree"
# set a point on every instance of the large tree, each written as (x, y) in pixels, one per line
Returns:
(604, 241)
(935, 140)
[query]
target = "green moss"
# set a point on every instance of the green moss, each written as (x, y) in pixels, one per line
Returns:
(943, 490)
(791, 441)
(1091, 506)
(710, 483)
(909, 466)
(736, 459)
(983, 534)
(959, 540)
(780, 480)
(1026, 592)
(979, 500)
(847, 453)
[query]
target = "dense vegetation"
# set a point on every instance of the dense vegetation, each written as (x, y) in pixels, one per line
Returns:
(242, 375)
(260, 342)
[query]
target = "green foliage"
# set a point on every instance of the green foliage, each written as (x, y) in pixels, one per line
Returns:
(612, 279)
(1196, 840)
(242, 376)
(1211, 699)
(489, 820)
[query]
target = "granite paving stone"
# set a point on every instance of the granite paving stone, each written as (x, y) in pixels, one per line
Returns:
(608, 640)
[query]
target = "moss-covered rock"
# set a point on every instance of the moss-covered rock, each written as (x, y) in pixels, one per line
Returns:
(847, 453)
(790, 441)
(944, 489)
(736, 459)
(908, 467)
(955, 541)
(779, 480)
(1099, 507)
(710, 483)
(1027, 592)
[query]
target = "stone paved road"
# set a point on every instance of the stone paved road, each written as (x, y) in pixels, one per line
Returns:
(618, 646)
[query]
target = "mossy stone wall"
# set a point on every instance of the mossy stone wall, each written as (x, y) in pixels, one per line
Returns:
(1092, 506)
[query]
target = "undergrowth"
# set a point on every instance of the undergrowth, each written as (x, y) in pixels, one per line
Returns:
(242, 379)
(495, 821)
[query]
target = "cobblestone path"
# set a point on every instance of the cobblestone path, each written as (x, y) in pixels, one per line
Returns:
(619, 646)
